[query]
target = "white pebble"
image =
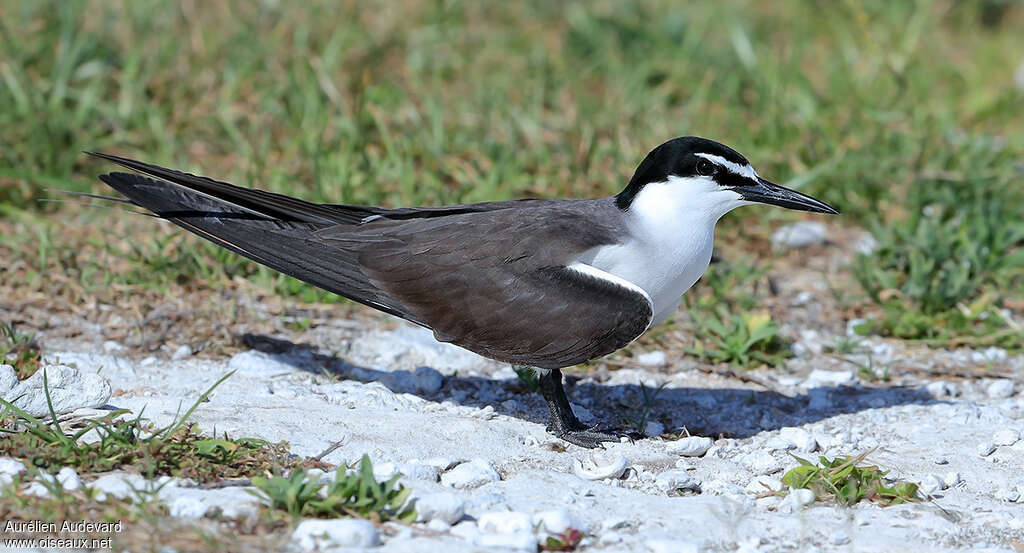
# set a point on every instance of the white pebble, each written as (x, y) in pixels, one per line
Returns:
(69, 389)
(820, 377)
(1008, 495)
(111, 346)
(803, 439)
(600, 467)
(999, 389)
(182, 352)
(443, 506)
(471, 474)
(800, 497)
(799, 235)
(652, 358)
(986, 448)
(675, 479)
(9, 469)
(504, 522)
(69, 479)
(1005, 437)
(762, 484)
(761, 462)
(952, 479)
(690, 446)
(557, 522)
(313, 535)
(931, 484)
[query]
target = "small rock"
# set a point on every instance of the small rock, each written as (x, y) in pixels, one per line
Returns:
(941, 388)
(999, 389)
(600, 466)
(675, 479)
(931, 485)
(762, 484)
(8, 379)
(800, 498)
(778, 443)
(427, 380)
(314, 535)
(516, 541)
(819, 377)
(803, 439)
(111, 346)
(652, 358)
(10, 469)
(68, 479)
(37, 489)
(653, 429)
(69, 390)
(723, 488)
(691, 446)
(504, 522)
(443, 506)
(986, 448)
(557, 521)
(471, 474)
(182, 352)
(761, 462)
(1005, 437)
(952, 479)
(1007, 494)
(989, 355)
(799, 235)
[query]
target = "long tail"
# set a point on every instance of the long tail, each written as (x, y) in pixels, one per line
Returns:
(272, 229)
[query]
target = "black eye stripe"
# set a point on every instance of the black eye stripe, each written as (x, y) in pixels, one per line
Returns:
(730, 179)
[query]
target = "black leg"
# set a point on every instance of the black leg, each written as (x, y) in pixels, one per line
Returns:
(564, 423)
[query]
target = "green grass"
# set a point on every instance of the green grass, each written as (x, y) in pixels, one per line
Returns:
(19, 350)
(356, 494)
(178, 449)
(843, 481)
(727, 325)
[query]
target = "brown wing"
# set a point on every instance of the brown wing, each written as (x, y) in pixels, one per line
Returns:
(496, 283)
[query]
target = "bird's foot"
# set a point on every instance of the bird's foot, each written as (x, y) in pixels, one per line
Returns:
(584, 436)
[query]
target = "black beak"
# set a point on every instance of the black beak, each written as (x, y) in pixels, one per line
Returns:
(770, 193)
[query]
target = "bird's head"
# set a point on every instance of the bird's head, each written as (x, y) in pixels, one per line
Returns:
(705, 176)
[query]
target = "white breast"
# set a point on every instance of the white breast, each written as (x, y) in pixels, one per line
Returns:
(671, 229)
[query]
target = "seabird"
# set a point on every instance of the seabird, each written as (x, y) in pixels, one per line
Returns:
(540, 283)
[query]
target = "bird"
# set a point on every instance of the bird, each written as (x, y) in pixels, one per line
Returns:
(544, 283)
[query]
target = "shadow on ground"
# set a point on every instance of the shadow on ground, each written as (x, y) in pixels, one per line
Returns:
(716, 412)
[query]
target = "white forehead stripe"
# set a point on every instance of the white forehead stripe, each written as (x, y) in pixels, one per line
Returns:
(746, 170)
(599, 274)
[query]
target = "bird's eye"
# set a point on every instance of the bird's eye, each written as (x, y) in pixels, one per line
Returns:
(705, 168)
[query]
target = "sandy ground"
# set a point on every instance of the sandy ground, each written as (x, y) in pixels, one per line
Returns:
(446, 418)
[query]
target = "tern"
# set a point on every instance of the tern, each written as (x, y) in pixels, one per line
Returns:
(539, 283)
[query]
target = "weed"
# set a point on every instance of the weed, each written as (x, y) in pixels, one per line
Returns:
(356, 494)
(842, 481)
(636, 418)
(564, 541)
(745, 339)
(20, 350)
(177, 449)
(942, 273)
